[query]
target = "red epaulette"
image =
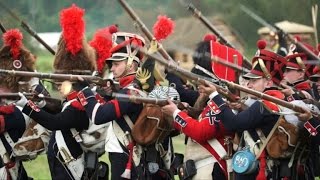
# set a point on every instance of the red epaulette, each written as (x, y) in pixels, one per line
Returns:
(8, 109)
(303, 85)
(77, 105)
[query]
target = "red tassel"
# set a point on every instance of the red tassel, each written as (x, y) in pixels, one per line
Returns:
(163, 27)
(102, 43)
(127, 173)
(73, 25)
(262, 168)
(13, 38)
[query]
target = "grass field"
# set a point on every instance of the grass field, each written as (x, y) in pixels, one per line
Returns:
(39, 169)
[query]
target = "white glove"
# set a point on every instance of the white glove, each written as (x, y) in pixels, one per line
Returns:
(42, 103)
(23, 100)
(33, 83)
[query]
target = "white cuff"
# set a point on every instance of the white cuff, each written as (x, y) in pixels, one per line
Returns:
(175, 113)
(214, 94)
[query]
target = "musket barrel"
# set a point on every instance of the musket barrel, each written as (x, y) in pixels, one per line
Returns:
(3, 29)
(199, 79)
(28, 95)
(26, 27)
(276, 28)
(197, 13)
(69, 77)
(137, 99)
(143, 28)
(195, 78)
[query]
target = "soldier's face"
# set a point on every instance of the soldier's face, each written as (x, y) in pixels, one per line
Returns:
(291, 75)
(118, 68)
(258, 84)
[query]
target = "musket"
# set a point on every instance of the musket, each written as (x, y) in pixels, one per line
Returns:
(196, 78)
(224, 62)
(26, 27)
(193, 112)
(3, 29)
(63, 77)
(275, 29)
(138, 22)
(233, 66)
(197, 13)
(32, 96)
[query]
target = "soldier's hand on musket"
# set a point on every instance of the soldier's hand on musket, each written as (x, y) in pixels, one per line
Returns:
(207, 88)
(169, 108)
(305, 116)
(287, 89)
(43, 102)
(108, 88)
(23, 100)
(33, 83)
(80, 84)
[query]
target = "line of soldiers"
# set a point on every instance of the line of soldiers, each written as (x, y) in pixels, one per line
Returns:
(248, 139)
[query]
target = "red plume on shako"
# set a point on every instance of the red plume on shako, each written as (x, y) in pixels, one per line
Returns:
(74, 54)
(163, 27)
(102, 43)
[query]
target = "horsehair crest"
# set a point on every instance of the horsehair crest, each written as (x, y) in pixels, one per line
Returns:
(164, 92)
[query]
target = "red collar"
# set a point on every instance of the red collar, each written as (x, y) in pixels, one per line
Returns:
(275, 93)
(304, 85)
(72, 95)
(125, 81)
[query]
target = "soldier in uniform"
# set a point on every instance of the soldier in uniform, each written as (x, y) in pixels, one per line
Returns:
(208, 144)
(207, 141)
(297, 72)
(261, 114)
(124, 64)
(66, 156)
(13, 56)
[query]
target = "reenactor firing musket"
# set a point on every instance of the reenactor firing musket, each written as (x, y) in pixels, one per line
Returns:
(3, 29)
(26, 27)
(197, 13)
(63, 77)
(200, 80)
(143, 28)
(275, 29)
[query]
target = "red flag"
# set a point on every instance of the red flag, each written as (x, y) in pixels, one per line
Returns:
(225, 53)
